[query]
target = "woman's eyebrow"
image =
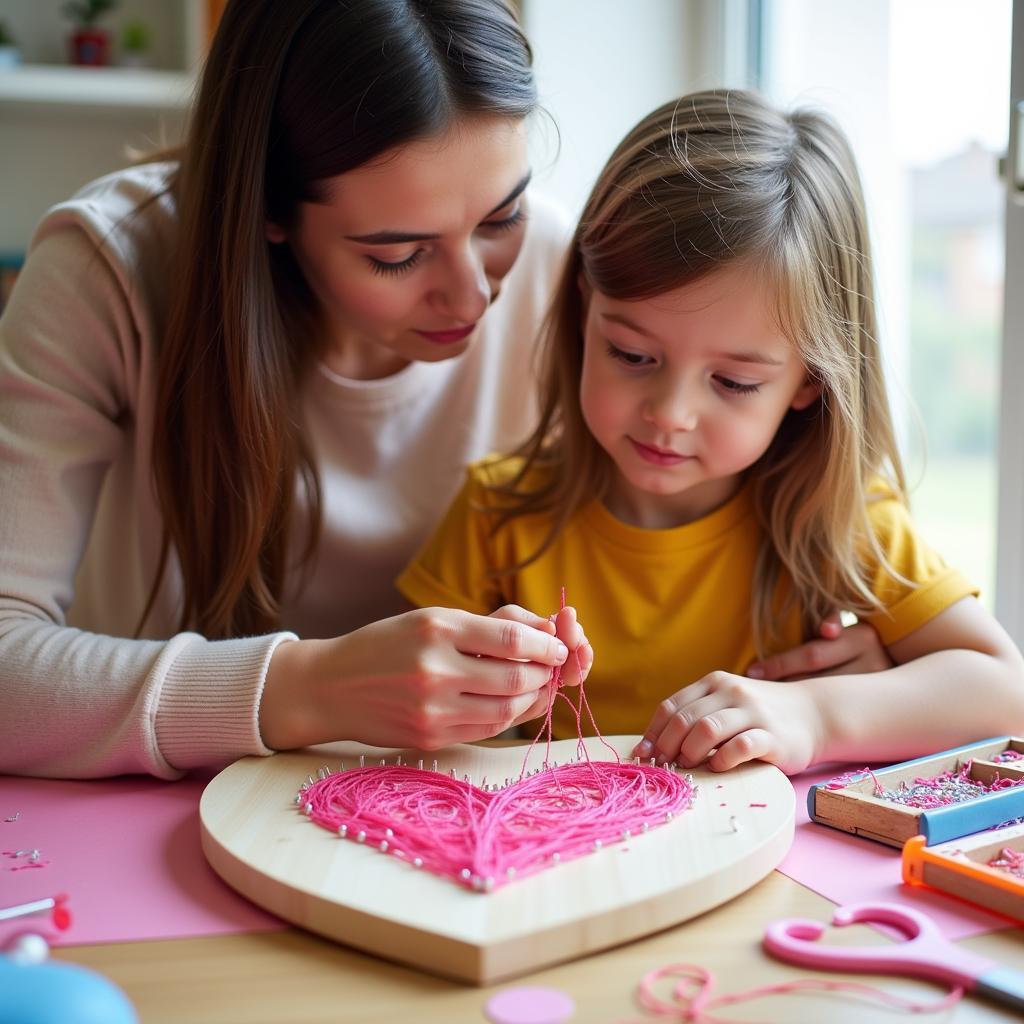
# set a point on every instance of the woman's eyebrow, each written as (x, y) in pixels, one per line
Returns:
(517, 191)
(394, 237)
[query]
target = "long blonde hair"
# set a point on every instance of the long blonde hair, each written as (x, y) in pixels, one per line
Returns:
(294, 92)
(712, 178)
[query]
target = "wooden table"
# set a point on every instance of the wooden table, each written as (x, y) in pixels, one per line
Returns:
(291, 977)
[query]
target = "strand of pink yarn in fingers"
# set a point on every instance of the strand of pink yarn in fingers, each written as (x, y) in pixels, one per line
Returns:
(555, 692)
(692, 998)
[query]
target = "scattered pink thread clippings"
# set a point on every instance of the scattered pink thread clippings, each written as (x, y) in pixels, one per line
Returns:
(1007, 755)
(28, 859)
(1009, 860)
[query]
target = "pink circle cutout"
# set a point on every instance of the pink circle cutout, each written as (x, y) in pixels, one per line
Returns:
(529, 1006)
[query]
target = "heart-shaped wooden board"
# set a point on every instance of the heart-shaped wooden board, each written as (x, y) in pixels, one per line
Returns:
(260, 843)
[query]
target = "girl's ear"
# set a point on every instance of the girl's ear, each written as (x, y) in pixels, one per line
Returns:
(809, 391)
(275, 233)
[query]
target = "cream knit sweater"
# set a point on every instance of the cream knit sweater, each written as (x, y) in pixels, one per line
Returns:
(80, 530)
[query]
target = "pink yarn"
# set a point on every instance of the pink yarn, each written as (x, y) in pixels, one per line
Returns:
(1008, 755)
(1009, 860)
(486, 837)
(927, 793)
(692, 998)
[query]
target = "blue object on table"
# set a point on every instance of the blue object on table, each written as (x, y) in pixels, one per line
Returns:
(941, 824)
(59, 993)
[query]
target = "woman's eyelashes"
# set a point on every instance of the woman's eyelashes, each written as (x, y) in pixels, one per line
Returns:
(513, 220)
(394, 268)
(388, 269)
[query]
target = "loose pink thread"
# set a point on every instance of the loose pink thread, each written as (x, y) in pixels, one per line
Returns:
(693, 1001)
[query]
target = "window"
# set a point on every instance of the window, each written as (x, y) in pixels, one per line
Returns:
(922, 88)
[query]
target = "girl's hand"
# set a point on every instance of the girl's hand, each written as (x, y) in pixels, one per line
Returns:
(728, 719)
(425, 679)
(839, 650)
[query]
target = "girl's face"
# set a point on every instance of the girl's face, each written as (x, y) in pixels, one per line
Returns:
(408, 251)
(685, 391)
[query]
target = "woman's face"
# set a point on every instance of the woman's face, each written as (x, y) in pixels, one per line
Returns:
(408, 251)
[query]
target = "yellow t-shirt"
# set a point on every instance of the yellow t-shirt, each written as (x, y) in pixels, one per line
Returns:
(662, 608)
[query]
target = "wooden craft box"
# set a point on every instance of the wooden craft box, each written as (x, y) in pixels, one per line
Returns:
(961, 869)
(855, 808)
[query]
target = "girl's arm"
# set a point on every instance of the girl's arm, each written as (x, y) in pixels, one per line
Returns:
(957, 679)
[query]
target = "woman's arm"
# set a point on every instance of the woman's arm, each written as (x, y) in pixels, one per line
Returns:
(427, 678)
(835, 650)
(424, 679)
(76, 344)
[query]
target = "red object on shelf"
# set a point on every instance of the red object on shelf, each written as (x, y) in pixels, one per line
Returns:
(90, 47)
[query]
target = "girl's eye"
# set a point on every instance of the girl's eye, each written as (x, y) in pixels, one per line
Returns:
(734, 387)
(385, 269)
(629, 358)
(507, 223)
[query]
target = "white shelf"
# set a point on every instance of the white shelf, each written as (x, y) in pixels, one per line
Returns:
(113, 89)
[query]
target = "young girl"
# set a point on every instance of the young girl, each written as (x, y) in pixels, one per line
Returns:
(715, 467)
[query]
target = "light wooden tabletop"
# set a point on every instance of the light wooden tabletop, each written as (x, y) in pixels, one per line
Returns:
(292, 977)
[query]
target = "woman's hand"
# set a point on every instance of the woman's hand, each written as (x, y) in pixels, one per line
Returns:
(837, 650)
(581, 655)
(728, 719)
(427, 678)
(577, 666)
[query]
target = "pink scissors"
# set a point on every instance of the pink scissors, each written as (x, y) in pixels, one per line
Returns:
(923, 952)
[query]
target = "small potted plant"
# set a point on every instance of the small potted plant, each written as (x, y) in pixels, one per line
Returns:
(90, 43)
(135, 48)
(10, 55)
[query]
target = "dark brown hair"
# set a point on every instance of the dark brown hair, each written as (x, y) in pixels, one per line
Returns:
(294, 92)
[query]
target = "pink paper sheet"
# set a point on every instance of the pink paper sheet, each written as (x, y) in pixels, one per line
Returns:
(126, 852)
(848, 869)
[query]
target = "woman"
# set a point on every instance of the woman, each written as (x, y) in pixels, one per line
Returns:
(253, 321)
(237, 391)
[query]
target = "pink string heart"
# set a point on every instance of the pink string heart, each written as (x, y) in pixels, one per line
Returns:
(484, 838)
